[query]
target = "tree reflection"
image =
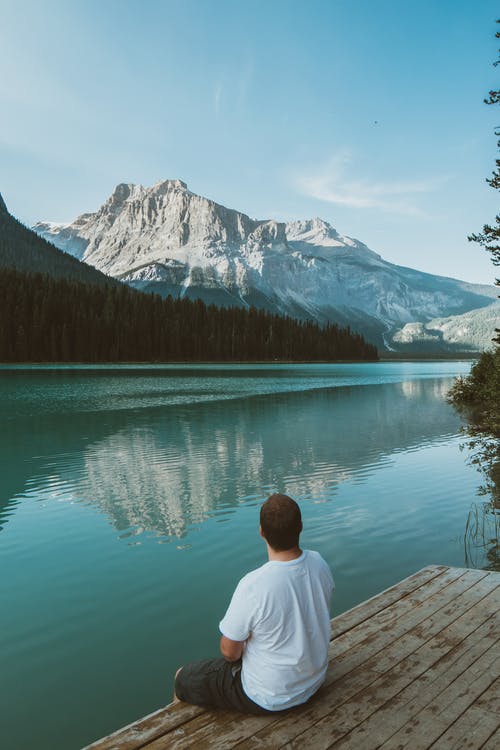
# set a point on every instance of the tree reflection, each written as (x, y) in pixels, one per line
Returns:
(482, 529)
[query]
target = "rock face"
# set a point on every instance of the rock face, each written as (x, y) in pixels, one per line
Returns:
(169, 240)
(471, 331)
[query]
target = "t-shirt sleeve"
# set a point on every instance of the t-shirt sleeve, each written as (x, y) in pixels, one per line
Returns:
(327, 577)
(237, 622)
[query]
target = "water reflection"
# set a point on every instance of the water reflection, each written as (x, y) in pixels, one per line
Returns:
(482, 537)
(482, 528)
(163, 469)
(386, 492)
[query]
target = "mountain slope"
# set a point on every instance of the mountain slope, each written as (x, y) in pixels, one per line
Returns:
(23, 250)
(46, 319)
(167, 239)
(471, 331)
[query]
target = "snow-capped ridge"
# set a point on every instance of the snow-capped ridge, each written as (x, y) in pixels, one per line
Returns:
(165, 185)
(168, 239)
(318, 237)
(312, 230)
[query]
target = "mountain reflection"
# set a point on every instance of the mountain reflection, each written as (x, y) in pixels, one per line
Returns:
(164, 469)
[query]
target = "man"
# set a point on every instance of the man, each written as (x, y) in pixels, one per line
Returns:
(276, 631)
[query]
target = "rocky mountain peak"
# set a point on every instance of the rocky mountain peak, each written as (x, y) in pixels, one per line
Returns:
(118, 198)
(125, 191)
(312, 230)
(122, 191)
(168, 239)
(3, 207)
(162, 186)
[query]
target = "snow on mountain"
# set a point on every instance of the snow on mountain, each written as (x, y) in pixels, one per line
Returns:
(167, 239)
(317, 238)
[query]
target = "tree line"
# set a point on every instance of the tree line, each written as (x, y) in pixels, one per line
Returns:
(46, 319)
(24, 250)
(481, 390)
(478, 395)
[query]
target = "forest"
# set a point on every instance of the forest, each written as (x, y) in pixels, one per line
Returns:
(47, 319)
(22, 249)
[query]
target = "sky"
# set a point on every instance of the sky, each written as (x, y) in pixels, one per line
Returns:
(368, 114)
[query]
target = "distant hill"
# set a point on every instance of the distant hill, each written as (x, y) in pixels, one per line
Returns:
(470, 332)
(22, 249)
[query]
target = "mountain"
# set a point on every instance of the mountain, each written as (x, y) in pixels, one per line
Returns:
(167, 239)
(22, 249)
(471, 331)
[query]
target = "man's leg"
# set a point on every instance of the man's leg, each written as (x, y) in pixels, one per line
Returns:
(214, 683)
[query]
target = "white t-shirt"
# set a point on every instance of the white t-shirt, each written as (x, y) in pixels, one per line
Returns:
(283, 608)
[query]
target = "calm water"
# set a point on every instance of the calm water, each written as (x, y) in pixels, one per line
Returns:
(129, 509)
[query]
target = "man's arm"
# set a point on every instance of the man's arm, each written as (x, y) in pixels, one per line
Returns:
(231, 650)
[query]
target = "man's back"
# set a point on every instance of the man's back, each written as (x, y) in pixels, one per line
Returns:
(282, 608)
(276, 631)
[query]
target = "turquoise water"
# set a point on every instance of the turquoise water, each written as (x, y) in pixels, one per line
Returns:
(129, 510)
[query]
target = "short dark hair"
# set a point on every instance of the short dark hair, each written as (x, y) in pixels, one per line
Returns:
(281, 522)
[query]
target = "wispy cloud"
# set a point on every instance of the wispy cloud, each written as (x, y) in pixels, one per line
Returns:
(333, 183)
(230, 92)
(217, 97)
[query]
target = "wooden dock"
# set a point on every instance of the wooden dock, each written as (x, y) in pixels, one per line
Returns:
(417, 666)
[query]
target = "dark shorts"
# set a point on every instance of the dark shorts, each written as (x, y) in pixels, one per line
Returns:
(216, 683)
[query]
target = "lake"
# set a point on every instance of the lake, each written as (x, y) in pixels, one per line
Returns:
(129, 510)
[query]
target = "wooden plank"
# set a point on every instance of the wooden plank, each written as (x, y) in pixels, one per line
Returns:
(380, 601)
(490, 700)
(360, 646)
(340, 689)
(339, 724)
(473, 607)
(137, 734)
(493, 743)
(423, 685)
(417, 734)
(469, 732)
(438, 591)
(423, 729)
(269, 738)
(365, 675)
(224, 731)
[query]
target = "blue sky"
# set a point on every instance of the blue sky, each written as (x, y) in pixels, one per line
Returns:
(366, 113)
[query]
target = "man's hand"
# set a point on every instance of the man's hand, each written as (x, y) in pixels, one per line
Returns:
(231, 650)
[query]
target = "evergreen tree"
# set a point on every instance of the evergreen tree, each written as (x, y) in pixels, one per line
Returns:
(23, 249)
(489, 238)
(48, 319)
(479, 393)
(483, 385)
